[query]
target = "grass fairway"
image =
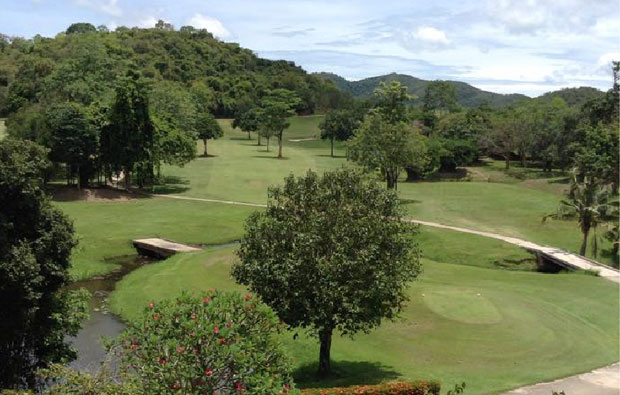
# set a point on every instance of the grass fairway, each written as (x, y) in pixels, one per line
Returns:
(493, 329)
(240, 170)
(507, 209)
(105, 230)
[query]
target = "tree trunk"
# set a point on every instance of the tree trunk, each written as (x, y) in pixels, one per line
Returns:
(391, 178)
(79, 178)
(267, 144)
(249, 137)
(204, 141)
(523, 161)
(332, 146)
(584, 243)
(127, 179)
(325, 337)
(280, 145)
(507, 158)
(258, 140)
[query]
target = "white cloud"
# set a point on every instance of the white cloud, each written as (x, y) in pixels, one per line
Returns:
(431, 35)
(106, 6)
(212, 25)
(148, 22)
(606, 59)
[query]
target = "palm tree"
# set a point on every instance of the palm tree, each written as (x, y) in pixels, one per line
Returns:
(587, 201)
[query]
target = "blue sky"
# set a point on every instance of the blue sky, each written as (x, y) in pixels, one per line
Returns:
(525, 46)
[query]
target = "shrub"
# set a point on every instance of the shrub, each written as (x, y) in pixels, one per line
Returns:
(216, 343)
(421, 387)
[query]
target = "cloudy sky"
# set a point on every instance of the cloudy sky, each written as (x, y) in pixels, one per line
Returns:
(525, 46)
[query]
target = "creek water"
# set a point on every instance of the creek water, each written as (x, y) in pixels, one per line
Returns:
(102, 323)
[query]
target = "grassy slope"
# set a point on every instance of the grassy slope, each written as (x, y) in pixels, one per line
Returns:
(523, 328)
(105, 230)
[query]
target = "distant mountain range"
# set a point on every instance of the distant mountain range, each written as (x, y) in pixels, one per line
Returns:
(466, 95)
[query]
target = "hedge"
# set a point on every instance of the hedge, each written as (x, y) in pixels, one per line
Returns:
(421, 387)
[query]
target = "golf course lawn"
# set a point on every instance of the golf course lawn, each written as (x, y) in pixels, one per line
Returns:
(493, 329)
(105, 229)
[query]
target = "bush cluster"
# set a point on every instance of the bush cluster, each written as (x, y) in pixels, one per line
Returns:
(421, 387)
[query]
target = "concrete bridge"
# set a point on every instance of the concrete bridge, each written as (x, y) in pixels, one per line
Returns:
(161, 248)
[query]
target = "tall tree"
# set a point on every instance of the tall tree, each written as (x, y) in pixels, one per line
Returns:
(339, 125)
(276, 108)
(247, 120)
(208, 128)
(128, 141)
(388, 147)
(36, 240)
(73, 139)
(587, 201)
(391, 101)
(330, 253)
(439, 97)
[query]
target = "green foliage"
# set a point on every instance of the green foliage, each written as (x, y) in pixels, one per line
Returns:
(63, 380)
(457, 153)
(36, 240)
(588, 202)
(466, 95)
(216, 343)
(458, 389)
(80, 28)
(597, 156)
(391, 101)
(339, 125)
(387, 147)
(439, 97)
(420, 387)
(84, 67)
(174, 147)
(73, 139)
(207, 128)
(310, 253)
(246, 120)
(273, 116)
(128, 141)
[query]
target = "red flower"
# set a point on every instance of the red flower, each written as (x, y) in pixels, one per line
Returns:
(134, 347)
(194, 315)
(221, 341)
(156, 317)
(151, 305)
(216, 330)
(208, 372)
(161, 361)
(238, 386)
(175, 386)
(180, 349)
(206, 300)
(248, 296)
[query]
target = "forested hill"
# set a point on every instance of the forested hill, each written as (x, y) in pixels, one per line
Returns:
(574, 97)
(466, 95)
(82, 65)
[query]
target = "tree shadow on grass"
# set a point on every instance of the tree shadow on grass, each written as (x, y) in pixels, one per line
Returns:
(409, 201)
(345, 373)
(329, 156)
(172, 185)
(270, 157)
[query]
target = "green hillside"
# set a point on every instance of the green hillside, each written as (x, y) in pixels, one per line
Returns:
(466, 94)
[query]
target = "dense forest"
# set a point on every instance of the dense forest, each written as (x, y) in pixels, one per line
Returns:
(83, 64)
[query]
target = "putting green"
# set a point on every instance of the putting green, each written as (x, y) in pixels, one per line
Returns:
(462, 305)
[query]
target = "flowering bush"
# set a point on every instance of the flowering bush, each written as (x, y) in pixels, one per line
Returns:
(217, 343)
(421, 387)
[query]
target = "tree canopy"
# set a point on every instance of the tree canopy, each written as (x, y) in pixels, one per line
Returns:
(36, 240)
(329, 253)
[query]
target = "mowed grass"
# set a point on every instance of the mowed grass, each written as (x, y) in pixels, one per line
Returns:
(506, 209)
(105, 229)
(240, 170)
(493, 329)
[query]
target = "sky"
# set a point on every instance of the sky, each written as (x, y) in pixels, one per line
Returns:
(505, 46)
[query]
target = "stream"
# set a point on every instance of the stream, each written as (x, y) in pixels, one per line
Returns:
(103, 323)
